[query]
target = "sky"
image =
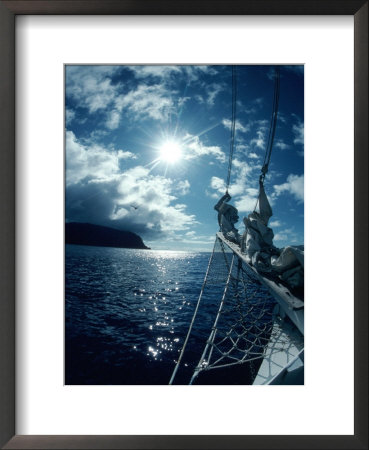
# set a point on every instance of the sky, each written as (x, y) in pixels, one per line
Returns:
(147, 149)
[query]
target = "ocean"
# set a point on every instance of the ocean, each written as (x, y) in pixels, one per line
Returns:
(127, 313)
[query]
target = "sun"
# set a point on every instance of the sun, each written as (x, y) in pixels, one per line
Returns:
(170, 152)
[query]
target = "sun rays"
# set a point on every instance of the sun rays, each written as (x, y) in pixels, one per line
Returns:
(170, 152)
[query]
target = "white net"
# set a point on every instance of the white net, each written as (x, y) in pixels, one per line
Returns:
(244, 320)
(284, 349)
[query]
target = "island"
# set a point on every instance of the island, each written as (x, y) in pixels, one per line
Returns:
(100, 236)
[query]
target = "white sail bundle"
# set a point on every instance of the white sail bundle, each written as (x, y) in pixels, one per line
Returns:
(290, 265)
(257, 241)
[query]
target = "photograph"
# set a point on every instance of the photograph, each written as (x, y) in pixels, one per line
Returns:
(184, 224)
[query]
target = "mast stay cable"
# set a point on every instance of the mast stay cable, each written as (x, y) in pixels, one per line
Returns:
(272, 128)
(233, 125)
(273, 124)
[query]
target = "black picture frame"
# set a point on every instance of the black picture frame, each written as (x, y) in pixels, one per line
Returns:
(8, 11)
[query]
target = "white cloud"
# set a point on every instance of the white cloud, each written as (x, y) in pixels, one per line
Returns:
(134, 200)
(126, 155)
(280, 144)
(239, 127)
(193, 147)
(281, 117)
(212, 91)
(244, 196)
(218, 184)
(113, 119)
(91, 86)
(253, 155)
(165, 72)
(182, 101)
(240, 177)
(154, 71)
(183, 187)
(298, 131)
(275, 223)
(294, 186)
(69, 116)
(153, 195)
(280, 237)
(288, 236)
(91, 161)
(99, 191)
(190, 233)
(145, 101)
(165, 75)
(259, 140)
(242, 147)
(246, 204)
(95, 88)
(239, 185)
(213, 195)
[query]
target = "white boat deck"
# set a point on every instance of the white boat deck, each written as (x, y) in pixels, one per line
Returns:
(283, 358)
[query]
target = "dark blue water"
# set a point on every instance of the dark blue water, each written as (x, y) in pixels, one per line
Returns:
(127, 313)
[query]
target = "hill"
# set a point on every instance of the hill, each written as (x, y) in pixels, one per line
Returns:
(89, 234)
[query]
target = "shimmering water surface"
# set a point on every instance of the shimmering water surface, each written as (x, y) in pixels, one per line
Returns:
(127, 313)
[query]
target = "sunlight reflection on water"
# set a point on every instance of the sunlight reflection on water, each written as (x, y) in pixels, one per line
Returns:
(127, 312)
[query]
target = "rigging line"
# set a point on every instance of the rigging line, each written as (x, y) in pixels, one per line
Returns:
(233, 125)
(272, 128)
(273, 122)
(237, 279)
(193, 318)
(213, 331)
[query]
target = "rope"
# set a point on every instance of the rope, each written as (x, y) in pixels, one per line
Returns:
(214, 329)
(273, 124)
(233, 125)
(193, 318)
(272, 128)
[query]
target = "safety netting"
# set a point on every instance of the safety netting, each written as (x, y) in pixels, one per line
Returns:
(244, 314)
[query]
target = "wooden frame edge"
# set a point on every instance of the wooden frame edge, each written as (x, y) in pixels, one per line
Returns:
(8, 11)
